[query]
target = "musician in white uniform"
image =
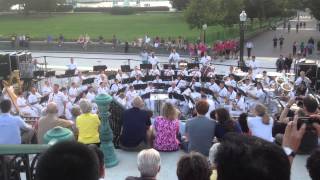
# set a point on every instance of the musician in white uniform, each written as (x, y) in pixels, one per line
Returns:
(174, 57)
(183, 72)
(120, 75)
(157, 80)
(205, 59)
(60, 99)
(154, 71)
(194, 84)
(303, 78)
(46, 89)
(213, 86)
(73, 92)
(174, 88)
(138, 80)
(222, 92)
(24, 108)
(130, 95)
(72, 65)
(265, 79)
(153, 59)
(103, 88)
(34, 99)
(195, 73)
(136, 72)
(239, 103)
(254, 65)
(115, 87)
(91, 95)
(180, 83)
(149, 103)
(101, 78)
(231, 93)
(169, 71)
(258, 96)
(230, 81)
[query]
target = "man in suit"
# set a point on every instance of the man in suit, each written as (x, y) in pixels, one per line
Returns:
(136, 128)
(200, 130)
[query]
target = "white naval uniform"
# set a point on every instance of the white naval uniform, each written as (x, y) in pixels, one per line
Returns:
(240, 104)
(232, 95)
(60, 99)
(195, 74)
(27, 110)
(114, 88)
(33, 100)
(136, 73)
(180, 83)
(121, 77)
(183, 72)
(46, 90)
(72, 66)
(223, 92)
(157, 81)
(103, 90)
(91, 96)
(176, 89)
(137, 82)
(149, 103)
(153, 60)
(168, 72)
(154, 72)
(73, 93)
(130, 96)
(174, 57)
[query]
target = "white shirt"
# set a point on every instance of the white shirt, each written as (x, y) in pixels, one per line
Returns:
(115, 87)
(232, 83)
(73, 93)
(46, 90)
(91, 96)
(261, 96)
(249, 45)
(195, 74)
(180, 83)
(153, 60)
(154, 72)
(131, 95)
(205, 60)
(136, 73)
(259, 129)
(240, 104)
(253, 65)
(300, 79)
(21, 101)
(214, 87)
(34, 98)
(157, 81)
(60, 99)
(168, 72)
(122, 76)
(175, 57)
(176, 89)
(137, 82)
(148, 90)
(183, 72)
(232, 95)
(72, 66)
(103, 90)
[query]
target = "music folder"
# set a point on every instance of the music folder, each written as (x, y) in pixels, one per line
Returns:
(44, 99)
(70, 72)
(177, 96)
(148, 78)
(166, 78)
(139, 86)
(166, 66)
(125, 68)
(145, 66)
(88, 81)
(121, 90)
(146, 96)
(99, 68)
(192, 65)
(38, 73)
(50, 73)
(110, 77)
(128, 80)
(159, 85)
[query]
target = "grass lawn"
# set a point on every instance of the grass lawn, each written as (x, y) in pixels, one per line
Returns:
(125, 27)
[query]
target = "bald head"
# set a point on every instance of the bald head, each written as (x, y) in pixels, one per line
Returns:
(52, 108)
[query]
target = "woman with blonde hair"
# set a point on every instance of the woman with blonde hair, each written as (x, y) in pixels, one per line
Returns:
(261, 124)
(166, 129)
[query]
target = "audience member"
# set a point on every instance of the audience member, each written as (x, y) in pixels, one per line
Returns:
(166, 128)
(88, 124)
(68, 160)
(193, 166)
(313, 164)
(100, 157)
(136, 127)
(225, 123)
(149, 164)
(200, 130)
(212, 156)
(50, 121)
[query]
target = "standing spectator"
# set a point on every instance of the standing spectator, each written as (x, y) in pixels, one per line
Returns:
(313, 164)
(136, 128)
(200, 130)
(193, 166)
(88, 124)
(13, 41)
(11, 126)
(166, 128)
(174, 57)
(249, 47)
(275, 41)
(289, 27)
(297, 27)
(287, 63)
(261, 124)
(302, 47)
(114, 41)
(281, 40)
(310, 47)
(144, 56)
(294, 48)
(126, 47)
(280, 64)
(60, 40)
(149, 163)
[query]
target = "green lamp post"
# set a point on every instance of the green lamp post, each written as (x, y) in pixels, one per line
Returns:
(106, 135)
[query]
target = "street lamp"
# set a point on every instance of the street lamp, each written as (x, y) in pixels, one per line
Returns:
(204, 28)
(243, 19)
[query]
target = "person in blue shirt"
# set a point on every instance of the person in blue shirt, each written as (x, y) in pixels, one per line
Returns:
(10, 126)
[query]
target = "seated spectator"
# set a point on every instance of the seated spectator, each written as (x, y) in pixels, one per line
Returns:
(136, 131)
(212, 156)
(261, 124)
(166, 128)
(50, 121)
(88, 124)
(225, 123)
(68, 161)
(193, 166)
(200, 130)
(242, 120)
(313, 164)
(149, 163)
(11, 126)
(100, 157)
(251, 158)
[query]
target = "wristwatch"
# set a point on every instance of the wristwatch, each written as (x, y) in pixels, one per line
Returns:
(289, 152)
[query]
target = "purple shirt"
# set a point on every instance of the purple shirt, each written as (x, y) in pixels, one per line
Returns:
(166, 134)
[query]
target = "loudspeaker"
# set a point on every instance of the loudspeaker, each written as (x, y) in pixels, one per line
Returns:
(310, 68)
(4, 65)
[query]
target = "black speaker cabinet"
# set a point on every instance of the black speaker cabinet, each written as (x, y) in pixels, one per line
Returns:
(4, 65)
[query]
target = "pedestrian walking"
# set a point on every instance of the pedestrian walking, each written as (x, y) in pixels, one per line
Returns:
(302, 47)
(294, 48)
(275, 42)
(281, 40)
(289, 27)
(297, 27)
(304, 24)
(249, 47)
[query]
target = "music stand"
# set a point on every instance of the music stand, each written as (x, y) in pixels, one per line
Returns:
(166, 66)
(128, 80)
(38, 73)
(44, 99)
(159, 85)
(146, 66)
(140, 86)
(88, 81)
(193, 65)
(70, 73)
(50, 73)
(110, 77)
(99, 68)
(125, 68)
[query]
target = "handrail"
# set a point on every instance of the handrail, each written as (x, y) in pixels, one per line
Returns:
(23, 149)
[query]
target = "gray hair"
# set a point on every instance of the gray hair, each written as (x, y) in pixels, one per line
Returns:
(149, 162)
(85, 106)
(137, 102)
(213, 152)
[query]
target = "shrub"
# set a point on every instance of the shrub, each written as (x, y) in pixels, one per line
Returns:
(122, 10)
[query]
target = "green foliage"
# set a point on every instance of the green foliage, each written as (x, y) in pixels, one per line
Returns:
(232, 9)
(180, 4)
(122, 11)
(314, 6)
(108, 10)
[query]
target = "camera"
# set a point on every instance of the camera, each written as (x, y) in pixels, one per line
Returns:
(309, 140)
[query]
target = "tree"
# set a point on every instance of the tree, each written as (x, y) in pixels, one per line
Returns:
(201, 12)
(180, 4)
(314, 6)
(232, 9)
